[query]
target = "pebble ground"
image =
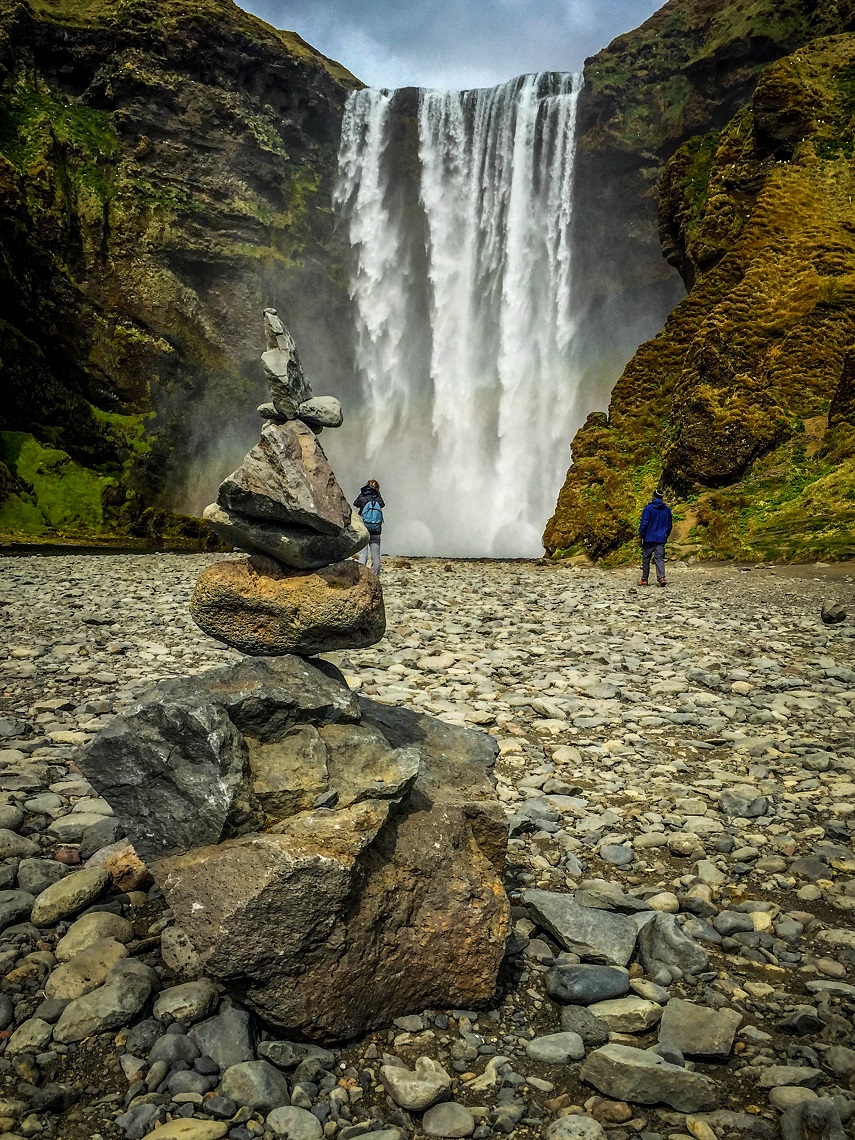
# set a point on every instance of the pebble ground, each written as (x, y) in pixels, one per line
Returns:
(691, 749)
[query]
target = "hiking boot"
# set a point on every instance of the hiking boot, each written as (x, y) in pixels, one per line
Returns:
(662, 581)
(643, 582)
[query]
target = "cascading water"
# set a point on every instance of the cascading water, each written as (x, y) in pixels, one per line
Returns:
(461, 290)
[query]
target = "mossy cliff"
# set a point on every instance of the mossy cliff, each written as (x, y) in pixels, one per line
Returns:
(744, 405)
(165, 172)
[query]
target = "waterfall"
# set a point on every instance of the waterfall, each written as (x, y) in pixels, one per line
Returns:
(458, 210)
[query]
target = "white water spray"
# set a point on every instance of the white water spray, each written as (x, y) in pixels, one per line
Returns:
(465, 334)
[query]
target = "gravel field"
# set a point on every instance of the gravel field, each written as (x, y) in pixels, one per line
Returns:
(678, 762)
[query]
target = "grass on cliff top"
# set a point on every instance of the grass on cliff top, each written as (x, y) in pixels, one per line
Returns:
(166, 14)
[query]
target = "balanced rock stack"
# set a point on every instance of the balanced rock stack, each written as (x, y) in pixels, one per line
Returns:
(297, 591)
(335, 862)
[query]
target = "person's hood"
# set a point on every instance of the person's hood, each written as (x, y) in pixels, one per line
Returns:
(659, 504)
(366, 490)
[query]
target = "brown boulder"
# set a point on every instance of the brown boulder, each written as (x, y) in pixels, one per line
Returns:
(343, 920)
(264, 610)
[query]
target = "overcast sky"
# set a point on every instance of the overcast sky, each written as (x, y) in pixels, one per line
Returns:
(454, 43)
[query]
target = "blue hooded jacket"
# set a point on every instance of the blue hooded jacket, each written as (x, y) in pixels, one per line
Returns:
(656, 522)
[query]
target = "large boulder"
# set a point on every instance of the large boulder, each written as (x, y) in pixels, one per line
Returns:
(173, 770)
(286, 478)
(262, 609)
(362, 880)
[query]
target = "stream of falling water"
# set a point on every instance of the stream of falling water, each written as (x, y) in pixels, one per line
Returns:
(462, 300)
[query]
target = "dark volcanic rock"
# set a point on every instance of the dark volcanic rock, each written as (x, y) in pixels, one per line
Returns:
(583, 985)
(173, 771)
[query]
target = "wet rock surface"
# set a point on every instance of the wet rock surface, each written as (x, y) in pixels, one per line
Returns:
(623, 721)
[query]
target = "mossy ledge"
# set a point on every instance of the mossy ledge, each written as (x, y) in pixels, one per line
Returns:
(165, 172)
(744, 405)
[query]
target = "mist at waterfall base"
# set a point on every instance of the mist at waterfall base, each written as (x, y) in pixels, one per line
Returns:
(467, 346)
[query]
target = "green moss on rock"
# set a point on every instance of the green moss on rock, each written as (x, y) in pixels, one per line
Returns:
(759, 223)
(165, 173)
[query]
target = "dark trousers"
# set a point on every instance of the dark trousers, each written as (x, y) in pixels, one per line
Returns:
(656, 551)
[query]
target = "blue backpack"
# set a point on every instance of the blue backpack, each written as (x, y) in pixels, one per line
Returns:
(372, 516)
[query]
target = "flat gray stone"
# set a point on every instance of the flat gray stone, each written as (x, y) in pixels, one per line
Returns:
(642, 1077)
(697, 1030)
(226, 1038)
(597, 935)
(584, 984)
(800, 1075)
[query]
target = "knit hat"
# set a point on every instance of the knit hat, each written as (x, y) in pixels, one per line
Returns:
(657, 494)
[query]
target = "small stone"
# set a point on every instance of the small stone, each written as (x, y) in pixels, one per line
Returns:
(697, 1030)
(14, 906)
(556, 1048)
(584, 984)
(257, 1084)
(789, 1096)
(295, 1124)
(68, 895)
(186, 1003)
(85, 971)
(627, 1014)
(226, 1038)
(112, 1006)
(190, 1130)
(31, 1036)
(575, 1126)
(643, 1077)
(598, 935)
(448, 1120)
(801, 1076)
(91, 928)
(579, 1019)
(418, 1089)
(14, 846)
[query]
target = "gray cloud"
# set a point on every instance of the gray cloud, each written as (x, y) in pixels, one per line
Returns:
(454, 43)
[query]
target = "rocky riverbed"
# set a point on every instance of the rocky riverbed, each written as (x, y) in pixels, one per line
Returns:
(678, 768)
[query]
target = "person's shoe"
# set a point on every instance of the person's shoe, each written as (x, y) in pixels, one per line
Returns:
(643, 582)
(662, 581)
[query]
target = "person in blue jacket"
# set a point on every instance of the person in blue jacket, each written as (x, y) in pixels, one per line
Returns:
(369, 502)
(653, 530)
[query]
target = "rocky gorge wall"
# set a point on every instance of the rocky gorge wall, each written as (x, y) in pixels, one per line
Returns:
(742, 405)
(165, 172)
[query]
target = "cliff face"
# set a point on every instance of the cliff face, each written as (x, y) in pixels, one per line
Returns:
(743, 404)
(165, 172)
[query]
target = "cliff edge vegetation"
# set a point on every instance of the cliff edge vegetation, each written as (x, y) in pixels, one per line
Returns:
(165, 172)
(743, 407)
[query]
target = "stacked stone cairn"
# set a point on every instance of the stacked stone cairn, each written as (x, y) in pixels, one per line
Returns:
(298, 590)
(335, 863)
